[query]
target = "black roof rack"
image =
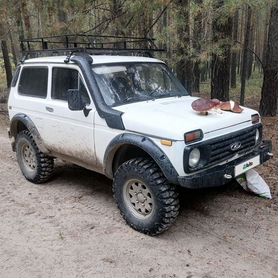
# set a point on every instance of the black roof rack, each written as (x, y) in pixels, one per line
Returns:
(91, 44)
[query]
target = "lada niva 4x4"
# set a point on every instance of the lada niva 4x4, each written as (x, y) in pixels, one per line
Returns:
(130, 119)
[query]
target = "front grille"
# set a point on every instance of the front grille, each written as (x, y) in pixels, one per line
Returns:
(221, 149)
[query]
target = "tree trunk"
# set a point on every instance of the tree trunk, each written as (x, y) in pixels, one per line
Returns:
(250, 49)
(203, 73)
(164, 26)
(26, 18)
(196, 79)
(13, 49)
(244, 55)
(266, 29)
(196, 45)
(268, 103)
(7, 64)
(234, 53)
(220, 66)
(258, 42)
(184, 73)
(117, 10)
(19, 24)
(185, 65)
(238, 63)
(62, 16)
(50, 12)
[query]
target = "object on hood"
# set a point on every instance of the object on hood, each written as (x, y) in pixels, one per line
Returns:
(230, 106)
(251, 181)
(204, 105)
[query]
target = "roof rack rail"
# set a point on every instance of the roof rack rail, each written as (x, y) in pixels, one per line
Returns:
(91, 44)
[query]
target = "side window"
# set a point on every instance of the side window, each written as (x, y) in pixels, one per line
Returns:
(64, 79)
(33, 82)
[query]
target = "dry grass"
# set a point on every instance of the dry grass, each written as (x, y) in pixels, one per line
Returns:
(252, 91)
(2, 79)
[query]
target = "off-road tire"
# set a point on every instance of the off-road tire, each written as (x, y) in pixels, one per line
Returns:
(165, 197)
(42, 164)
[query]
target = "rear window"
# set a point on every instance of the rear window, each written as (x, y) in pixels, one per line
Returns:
(33, 82)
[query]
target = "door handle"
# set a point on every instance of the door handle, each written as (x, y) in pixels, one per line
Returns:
(49, 109)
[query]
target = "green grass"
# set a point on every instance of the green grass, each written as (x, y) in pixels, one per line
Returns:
(3, 87)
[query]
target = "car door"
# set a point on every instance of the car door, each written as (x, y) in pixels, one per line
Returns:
(69, 134)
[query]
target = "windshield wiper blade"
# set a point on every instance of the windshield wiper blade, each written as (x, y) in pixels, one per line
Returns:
(134, 99)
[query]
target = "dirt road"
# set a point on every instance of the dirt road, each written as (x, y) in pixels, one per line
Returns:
(70, 227)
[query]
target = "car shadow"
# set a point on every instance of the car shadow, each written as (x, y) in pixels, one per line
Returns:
(90, 182)
(72, 175)
(195, 198)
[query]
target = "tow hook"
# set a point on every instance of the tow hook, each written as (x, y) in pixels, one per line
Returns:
(228, 176)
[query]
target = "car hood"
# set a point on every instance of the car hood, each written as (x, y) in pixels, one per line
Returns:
(172, 117)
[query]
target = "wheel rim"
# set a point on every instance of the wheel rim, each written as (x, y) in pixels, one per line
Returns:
(28, 157)
(138, 198)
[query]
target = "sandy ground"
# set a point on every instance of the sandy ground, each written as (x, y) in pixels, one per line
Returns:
(70, 227)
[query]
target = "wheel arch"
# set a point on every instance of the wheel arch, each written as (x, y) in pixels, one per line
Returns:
(127, 146)
(21, 122)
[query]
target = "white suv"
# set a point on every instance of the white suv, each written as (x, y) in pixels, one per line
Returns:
(130, 119)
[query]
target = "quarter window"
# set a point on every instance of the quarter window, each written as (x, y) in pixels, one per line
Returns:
(15, 77)
(33, 82)
(64, 79)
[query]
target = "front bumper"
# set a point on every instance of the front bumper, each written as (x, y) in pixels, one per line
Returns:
(222, 174)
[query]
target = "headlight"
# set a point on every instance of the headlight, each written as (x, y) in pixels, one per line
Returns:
(194, 157)
(257, 137)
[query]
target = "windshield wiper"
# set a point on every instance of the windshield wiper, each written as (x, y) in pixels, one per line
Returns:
(134, 99)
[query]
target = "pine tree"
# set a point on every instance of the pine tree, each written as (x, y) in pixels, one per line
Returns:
(268, 103)
(220, 65)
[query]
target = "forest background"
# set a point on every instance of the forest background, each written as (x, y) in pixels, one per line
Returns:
(226, 49)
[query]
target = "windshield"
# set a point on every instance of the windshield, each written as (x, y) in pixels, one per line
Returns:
(125, 83)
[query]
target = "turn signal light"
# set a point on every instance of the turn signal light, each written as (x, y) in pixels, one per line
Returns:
(193, 136)
(167, 143)
(255, 118)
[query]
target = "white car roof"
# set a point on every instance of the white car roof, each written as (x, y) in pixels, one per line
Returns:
(97, 59)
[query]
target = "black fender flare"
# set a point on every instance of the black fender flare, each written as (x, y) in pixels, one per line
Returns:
(24, 119)
(147, 145)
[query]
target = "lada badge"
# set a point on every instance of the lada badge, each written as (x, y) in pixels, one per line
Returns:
(235, 146)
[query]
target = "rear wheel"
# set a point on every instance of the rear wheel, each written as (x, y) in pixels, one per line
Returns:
(147, 202)
(35, 166)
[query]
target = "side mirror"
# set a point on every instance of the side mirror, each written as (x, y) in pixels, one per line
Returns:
(75, 101)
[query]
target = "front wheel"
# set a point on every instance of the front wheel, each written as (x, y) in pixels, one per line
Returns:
(146, 200)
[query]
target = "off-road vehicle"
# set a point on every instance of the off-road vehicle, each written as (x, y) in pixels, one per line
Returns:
(129, 118)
